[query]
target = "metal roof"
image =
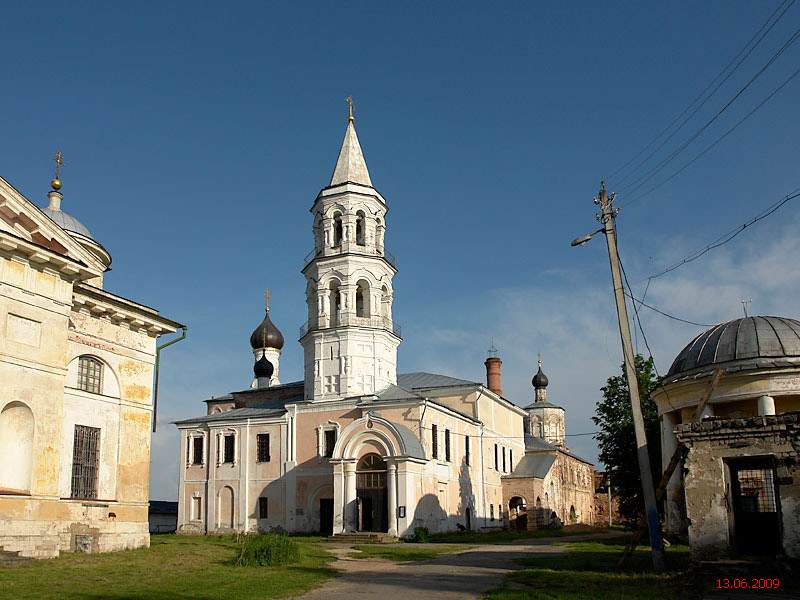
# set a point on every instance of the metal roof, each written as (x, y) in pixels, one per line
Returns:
(535, 404)
(272, 409)
(67, 222)
(422, 380)
(534, 465)
(744, 341)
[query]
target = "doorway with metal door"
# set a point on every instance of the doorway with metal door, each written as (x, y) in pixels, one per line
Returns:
(754, 506)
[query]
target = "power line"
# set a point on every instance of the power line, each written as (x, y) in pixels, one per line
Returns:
(724, 239)
(661, 312)
(655, 170)
(717, 141)
(691, 104)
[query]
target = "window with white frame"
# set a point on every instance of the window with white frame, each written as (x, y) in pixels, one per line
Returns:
(196, 449)
(434, 441)
(447, 445)
(327, 435)
(226, 447)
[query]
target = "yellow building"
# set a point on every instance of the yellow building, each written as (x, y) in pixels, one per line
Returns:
(738, 492)
(76, 374)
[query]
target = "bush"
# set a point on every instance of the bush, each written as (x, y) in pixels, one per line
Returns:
(421, 535)
(267, 550)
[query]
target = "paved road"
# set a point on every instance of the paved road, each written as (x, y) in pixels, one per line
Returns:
(466, 574)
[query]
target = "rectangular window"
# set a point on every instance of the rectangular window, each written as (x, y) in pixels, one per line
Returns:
(510, 460)
(85, 460)
(197, 451)
(196, 505)
(496, 460)
(228, 441)
(330, 442)
(263, 508)
(491, 512)
(504, 460)
(466, 449)
(90, 373)
(262, 447)
(434, 442)
(447, 445)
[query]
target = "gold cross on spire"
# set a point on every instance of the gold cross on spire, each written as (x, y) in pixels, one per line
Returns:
(267, 298)
(350, 102)
(540, 359)
(59, 158)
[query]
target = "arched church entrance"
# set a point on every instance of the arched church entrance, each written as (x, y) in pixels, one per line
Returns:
(371, 494)
(518, 514)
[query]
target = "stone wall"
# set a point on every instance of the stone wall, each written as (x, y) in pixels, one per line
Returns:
(711, 443)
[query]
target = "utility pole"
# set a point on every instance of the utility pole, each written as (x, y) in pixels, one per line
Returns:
(653, 523)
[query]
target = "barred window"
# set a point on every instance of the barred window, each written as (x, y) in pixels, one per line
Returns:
(434, 441)
(447, 445)
(85, 460)
(263, 508)
(330, 442)
(228, 441)
(262, 447)
(90, 374)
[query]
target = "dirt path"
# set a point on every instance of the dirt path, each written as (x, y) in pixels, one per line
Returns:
(464, 574)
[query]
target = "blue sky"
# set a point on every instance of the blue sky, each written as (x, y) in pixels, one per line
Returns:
(197, 136)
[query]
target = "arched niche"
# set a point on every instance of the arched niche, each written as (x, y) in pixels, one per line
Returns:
(225, 508)
(16, 448)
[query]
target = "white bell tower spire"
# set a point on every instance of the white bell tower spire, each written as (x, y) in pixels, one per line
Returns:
(350, 341)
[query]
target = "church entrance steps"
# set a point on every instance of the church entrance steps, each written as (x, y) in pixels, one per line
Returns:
(362, 537)
(13, 559)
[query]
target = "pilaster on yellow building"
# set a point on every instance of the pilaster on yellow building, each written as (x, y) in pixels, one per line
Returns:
(76, 379)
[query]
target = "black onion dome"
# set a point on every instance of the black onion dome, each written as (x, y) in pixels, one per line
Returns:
(266, 335)
(751, 342)
(540, 379)
(263, 368)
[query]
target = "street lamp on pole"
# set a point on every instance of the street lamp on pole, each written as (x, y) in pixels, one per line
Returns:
(651, 511)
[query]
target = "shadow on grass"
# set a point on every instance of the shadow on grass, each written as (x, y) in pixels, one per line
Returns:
(509, 535)
(589, 571)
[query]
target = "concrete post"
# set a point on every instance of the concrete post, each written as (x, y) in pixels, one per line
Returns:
(669, 443)
(391, 491)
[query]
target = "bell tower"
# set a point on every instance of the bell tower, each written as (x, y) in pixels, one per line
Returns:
(350, 340)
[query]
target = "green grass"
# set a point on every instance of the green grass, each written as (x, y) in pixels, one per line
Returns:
(405, 553)
(179, 567)
(589, 572)
(503, 536)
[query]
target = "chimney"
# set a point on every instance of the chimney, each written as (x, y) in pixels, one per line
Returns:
(493, 378)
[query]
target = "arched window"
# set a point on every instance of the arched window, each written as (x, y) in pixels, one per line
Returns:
(362, 299)
(335, 303)
(546, 499)
(385, 303)
(371, 472)
(16, 447)
(337, 229)
(90, 374)
(360, 226)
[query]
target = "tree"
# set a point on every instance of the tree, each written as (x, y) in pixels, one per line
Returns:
(617, 439)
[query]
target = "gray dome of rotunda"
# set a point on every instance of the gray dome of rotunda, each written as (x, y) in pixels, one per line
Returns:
(67, 222)
(748, 343)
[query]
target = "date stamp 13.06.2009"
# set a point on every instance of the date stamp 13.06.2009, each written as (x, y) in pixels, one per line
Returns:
(751, 583)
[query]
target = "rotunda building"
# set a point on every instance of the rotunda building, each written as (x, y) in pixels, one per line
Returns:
(760, 381)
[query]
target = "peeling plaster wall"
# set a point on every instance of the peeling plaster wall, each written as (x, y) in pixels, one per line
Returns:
(710, 443)
(42, 334)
